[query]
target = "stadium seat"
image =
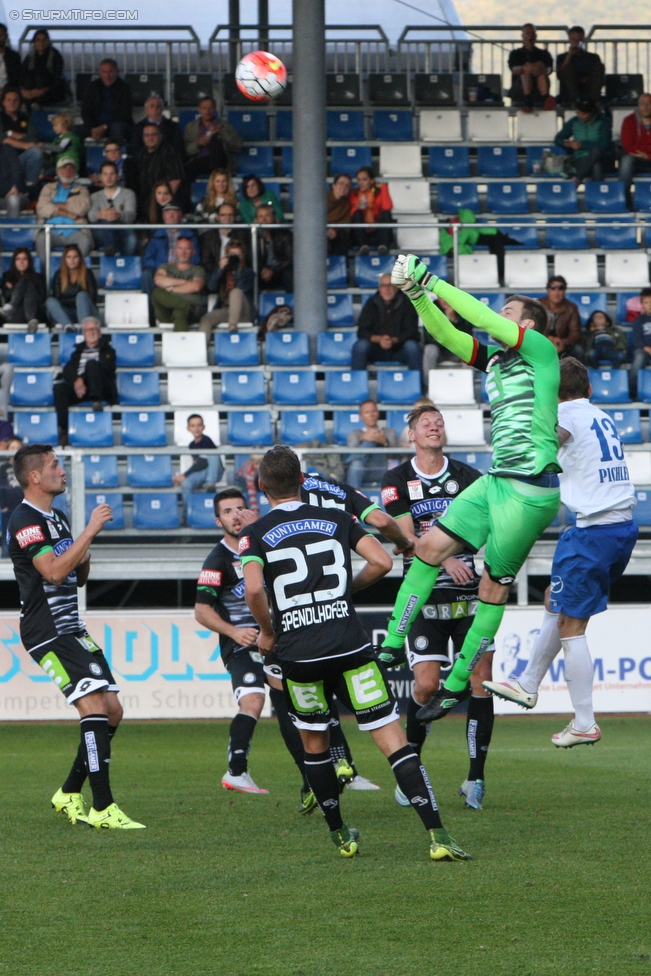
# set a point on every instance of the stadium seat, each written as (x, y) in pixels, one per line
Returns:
(126, 310)
(534, 157)
(258, 160)
(464, 427)
(436, 264)
(41, 119)
(198, 190)
(269, 300)
(337, 271)
(440, 126)
(190, 88)
(493, 300)
(535, 127)
(368, 269)
(642, 196)
(187, 115)
(243, 388)
(480, 460)
(349, 386)
(236, 349)
(340, 311)
(343, 88)
(588, 302)
(639, 467)
(201, 510)
(67, 343)
(391, 126)
(120, 273)
(249, 428)
(149, 471)
(642, 510)
(452, 196)
(299, 427)
(36, 428)
(605, 197)
(399, 386)
(144, 85)
(143, 428)
(609, 385)
(334, 348)
(627, 269)
(499, 161)
(482, 89)
(20, 233)
(101, 471)
(156, 511)
(388, 89)
(287, 348)
(184, 349)
(628, 306)
(94, 158)
(344, 126)
(525, 269)
(624, 89)
(507, 198)
(139, 389)
(488, 125)
(90, 429)
(525, 231)
(556, 198)
(29, 349)
(624, 236)
(287, 160)
(293, 388)
(566, 234)
(410, 196)
(190, 388)
(434, 89)
(449, 162)
(478, 271)
(400, 161)
(285, 132)
(132, 349)
(579, 268)
(419, 237)
(628, 425)
(252, 125)
(115, 500)
(343, 421)
(31, 390)
(451, 387)
(348, 159)
(643, 386)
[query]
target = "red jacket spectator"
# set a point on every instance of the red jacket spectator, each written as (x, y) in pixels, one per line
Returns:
(381, 200)
(636, 137)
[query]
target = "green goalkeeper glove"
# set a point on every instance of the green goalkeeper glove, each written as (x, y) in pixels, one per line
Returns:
(411, 276)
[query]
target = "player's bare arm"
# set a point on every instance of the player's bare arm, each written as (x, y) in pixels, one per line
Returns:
(83, 570)
(399, 534)
(56, 568)
(256, 598)
(207, 617)
(378, 563)
(563, 435)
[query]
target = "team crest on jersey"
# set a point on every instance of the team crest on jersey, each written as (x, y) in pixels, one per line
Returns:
(210, 577)
(415, 489)
(245, 543)
(452, 487)
(29, 535)
(389, 494)
(237, 569)
(53, 530)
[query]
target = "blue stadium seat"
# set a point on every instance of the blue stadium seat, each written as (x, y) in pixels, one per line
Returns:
(397, 420)
(605, 197)
(30, 349)
(67, 343)
(156, 511)
(287, 348)
(297, 426)
(334, 348)
(249, 428)
(287, 161)
(142, 428)
(534, 155)
(244, 387)
(340, 311)
(201, 510)
(139, 389)
(622, 298)
(337, 272)
(493, 300)
(343, 421)
(149, 470)
(571, 237)
(95, 156)
(588, 302)
(187, 115)
(348, 159)
(393, 126)
(198, 190)
(628, 425)
(19, 233)
(284, 128)
(120, 273)
(642, 196)
(90, 429)
(623, 236)
(643, 386)
(556, 198)
(452, 196)
(348, 386)
(101, 471)
(500, 161)
(115, 500)
(236, 349)
(131, 349)
(269, 300)
(55, 263)
(525, 231)
(258, 160)
(368, 269)
(436, 263)
(36, 428)
(609, 385)
(449, 162)
(42, 120)
(507, 198)
(480, 460)
(343, 126)
(32, 390)
(399, 386)
(294, 388)
(251, 125)
(642, 511)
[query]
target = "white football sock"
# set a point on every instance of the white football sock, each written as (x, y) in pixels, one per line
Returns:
(578, 674)
(545, 649)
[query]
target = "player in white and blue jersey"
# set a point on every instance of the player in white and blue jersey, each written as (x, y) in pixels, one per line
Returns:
(589, 557)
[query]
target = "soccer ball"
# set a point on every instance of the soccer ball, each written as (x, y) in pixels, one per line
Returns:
(261, 76)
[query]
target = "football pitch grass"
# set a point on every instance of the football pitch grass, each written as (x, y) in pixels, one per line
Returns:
(222, 883)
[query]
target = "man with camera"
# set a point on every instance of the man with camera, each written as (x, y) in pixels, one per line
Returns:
(232, 281)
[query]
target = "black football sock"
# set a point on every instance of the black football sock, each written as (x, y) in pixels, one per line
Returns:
(413, 781)
(112, 729)
(416, 733)
(78, 772)
(479, 729)
(291, 735)
(339, 748)
(239, 742)
(323, 782)
(96, 744)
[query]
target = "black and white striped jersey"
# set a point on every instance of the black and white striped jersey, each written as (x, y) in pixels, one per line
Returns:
(221, 586)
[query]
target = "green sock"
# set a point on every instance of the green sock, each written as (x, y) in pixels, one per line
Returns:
(416, 588)
(478, 639)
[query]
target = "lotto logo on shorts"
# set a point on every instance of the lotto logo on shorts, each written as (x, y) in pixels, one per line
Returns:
(210, 577)
(26, 537)
(245, 542)
(389, 495)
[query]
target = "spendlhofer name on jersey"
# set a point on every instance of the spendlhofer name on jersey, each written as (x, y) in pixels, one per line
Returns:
(293, 619)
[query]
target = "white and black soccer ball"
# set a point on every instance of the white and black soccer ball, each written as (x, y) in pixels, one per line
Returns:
(261, 76)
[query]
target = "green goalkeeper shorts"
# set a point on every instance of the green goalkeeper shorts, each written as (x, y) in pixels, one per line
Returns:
(505, 515)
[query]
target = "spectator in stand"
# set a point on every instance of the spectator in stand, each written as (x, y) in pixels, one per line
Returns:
(161, 247)
(641, 341)
(89, 374)
(370, 204)
(369, 468)
(339, 213)
(13, 197)
(215, 241)
(106, 108)
(276, 253)
(205, 471)
(112, 154)
(530, 68)
(170, 130)
(11, 494)
(74, 291)
(233, 283)
(64, 202)
(157, 161)
(387, 329)
(9, 62)
(587, 139)
(219, 190)
(210, 142)
(65, 142)
(179, 293)
(605, 344)
(19, 133)
(23, 291)
(113, 205)
(563, 319)
(580, 73)
(636, 143)
(42, 72)
(254, 195)
(160, 196)
(433, 352)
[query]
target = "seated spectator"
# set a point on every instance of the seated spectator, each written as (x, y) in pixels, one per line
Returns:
(161, 247)
(13, 196)
(160, 196)
(587, 140)
(179, 292)
(563, 319)
(233, 283)
(387, 329)
(89, 374)
(636, 143)
(641, 340)
(369, 468)
(112, 154)
(113, 205)
(156, 161)
(74, 290)
(339, 213)
(219, 190)
(605, 344)
(64, 202)
(276, 253)
(42, 72)
(254, 195)
(65, 142)
(170, 130)
(19, 133)
(580, 72)
(370, 204)
(210, 142)
(205, 471)
(530, 68)
(9, 61)
(11, 494)
(106, 109)
(215, 241)
(433, 352)
(23, 291)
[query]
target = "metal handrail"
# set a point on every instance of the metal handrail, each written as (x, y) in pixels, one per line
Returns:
(80, 26)
(358, 28)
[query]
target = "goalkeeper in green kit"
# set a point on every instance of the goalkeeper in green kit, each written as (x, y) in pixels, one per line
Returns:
(507, 509)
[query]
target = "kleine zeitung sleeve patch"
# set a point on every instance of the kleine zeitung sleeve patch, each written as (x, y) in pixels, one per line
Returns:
(210, 577)
(245, 544)
(29, 535)
(389, 494)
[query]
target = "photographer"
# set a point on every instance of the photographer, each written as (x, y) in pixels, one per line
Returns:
(233, 282)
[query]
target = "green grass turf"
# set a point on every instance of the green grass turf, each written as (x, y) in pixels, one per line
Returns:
(222, 883)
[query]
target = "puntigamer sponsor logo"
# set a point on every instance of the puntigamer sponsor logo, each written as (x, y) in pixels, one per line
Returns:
(274, 536)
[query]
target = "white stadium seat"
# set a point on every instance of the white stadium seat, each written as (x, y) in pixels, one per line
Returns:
(525, 269)
(488, 125)
(627, 269)
(451, 387)
(184, 349)
(440, 126)
(410, 196)
(619, 114)
(190, 388)
(464, 428)
(579, 268)
(417, 239)
(639, 466)
(536, 127)
(401, 161)
(126, 310)
(478, 271)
